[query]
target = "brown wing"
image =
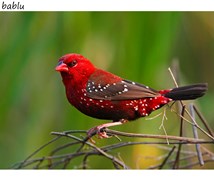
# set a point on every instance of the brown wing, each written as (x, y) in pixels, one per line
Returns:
(122, 90)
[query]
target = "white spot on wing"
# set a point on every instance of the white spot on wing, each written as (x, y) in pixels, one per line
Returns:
(125, 90)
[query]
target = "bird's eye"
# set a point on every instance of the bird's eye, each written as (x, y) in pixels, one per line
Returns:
(72, 63)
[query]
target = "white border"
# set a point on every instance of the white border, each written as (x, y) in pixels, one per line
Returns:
(106, 174)
(114, 5)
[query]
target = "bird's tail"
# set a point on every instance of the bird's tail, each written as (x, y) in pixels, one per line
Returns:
(187, 92)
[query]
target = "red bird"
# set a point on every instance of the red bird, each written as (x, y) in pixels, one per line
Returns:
(100, 94)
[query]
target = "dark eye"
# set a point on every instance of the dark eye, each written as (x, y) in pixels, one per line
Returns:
(72, 63)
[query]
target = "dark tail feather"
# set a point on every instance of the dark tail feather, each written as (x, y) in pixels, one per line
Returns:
(187, 92)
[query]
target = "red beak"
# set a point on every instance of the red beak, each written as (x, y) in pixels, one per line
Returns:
(61, 67)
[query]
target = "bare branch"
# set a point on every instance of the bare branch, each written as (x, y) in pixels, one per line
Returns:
(176, 164)
(126, 134)
(203, 120)
(195, 133)
(165, 160)
(114, 160)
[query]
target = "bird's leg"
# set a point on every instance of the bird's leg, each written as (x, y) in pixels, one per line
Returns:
(98, 129)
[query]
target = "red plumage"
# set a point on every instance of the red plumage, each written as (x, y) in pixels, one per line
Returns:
(100, 94)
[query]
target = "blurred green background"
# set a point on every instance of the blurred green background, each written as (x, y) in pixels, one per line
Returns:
(139, 46)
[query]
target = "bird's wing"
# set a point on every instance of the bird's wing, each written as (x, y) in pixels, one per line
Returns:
(117, 90)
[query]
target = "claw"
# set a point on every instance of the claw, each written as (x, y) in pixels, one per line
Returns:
(102, 135)
(96, 131)
(100, 130)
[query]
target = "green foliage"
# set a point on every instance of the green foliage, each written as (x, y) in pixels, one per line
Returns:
(138, 46)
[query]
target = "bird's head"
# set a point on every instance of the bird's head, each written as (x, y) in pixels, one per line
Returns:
(74, 66)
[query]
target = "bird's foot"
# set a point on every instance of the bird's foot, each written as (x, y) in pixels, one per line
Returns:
(100, 130)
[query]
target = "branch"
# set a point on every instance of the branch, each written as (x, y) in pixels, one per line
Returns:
(165, 160)
(203, 120)
(176, 164)
(195, 133)
(126, 134)
(114, 159)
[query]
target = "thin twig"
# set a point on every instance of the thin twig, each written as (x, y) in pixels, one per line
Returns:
(173, 77)
(211, 154)
(84, 162)
(63, 147)
(165, 160)
(94, 147)
(75, 131)
(196, 124)
(123, 144)
(176, 164)
(203, 120)
(195, 133)
(126, 134)
(153, 117)
(182, 151)
(162, 125)
(187, 158)
(39, 163)
(196, 163)
(35, 152)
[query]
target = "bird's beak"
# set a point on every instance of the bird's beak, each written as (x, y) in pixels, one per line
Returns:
(61, 67)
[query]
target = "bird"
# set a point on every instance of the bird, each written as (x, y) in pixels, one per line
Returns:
(103, 95)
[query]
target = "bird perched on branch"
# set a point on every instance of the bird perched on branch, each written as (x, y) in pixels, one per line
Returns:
(103, 95)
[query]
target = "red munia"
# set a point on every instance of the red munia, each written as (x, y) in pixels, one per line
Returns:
(103, 95)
